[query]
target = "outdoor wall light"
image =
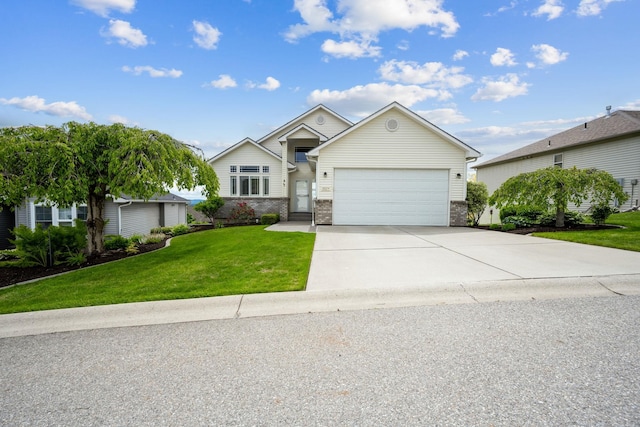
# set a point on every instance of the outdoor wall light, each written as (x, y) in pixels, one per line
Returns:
(324, 174)
(458, 175)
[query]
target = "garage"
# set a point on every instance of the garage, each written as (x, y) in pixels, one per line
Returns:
(391, 197)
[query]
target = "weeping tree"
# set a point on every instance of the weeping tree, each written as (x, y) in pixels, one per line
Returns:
(86, 163)
(477, 195)
(556, 188)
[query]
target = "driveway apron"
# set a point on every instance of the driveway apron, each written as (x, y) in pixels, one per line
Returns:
(363, 257)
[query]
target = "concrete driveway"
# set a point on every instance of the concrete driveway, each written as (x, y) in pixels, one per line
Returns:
(358, 257)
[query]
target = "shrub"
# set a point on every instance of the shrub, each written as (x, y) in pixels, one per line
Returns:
(55, 245)
(76, 259)
(242, 213)
(508, 211)
(268, 219)
(570, 218)
(210, 207)
(113, 242)
(495, 227)
(599, 214)
(517, 221)
(161, 230)
(180, 229)
(31, 245)
(154, 238)
(477, 196)
(132, 248)
(137, 238)
(508, 227)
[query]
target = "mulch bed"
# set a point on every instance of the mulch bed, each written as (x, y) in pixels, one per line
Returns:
(577, 227)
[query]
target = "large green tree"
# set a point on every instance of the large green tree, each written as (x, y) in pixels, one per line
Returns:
(557, 187)
(86, 163)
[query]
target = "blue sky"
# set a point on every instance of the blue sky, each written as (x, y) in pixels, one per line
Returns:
(497, 74)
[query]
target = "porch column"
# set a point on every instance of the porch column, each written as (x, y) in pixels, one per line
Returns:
(285, 169)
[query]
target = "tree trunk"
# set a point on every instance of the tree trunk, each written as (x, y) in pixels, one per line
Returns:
(95, 223)
(559, 218)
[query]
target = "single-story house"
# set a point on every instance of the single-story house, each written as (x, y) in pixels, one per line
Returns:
(392, 168)
(125, 215)
(610, 143)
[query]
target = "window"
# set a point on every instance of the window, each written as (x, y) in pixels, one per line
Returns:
(244, 185)
(300, 153)
(233, 169)
(265, 169)
(265, 186)
(249, 169)
(44, 216)
(82, 213)
(233, 186)
(255, 186)
(64, 217)
(557, 160)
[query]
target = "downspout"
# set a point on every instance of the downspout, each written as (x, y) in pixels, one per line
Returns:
(120, 215)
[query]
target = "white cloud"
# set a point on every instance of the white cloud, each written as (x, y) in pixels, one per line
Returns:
(360, 101)
(511, 5)
(548, 55)
(507, 86)
(552, 8)
(224, 81)
(403, 45)
(363, 20)
(632, 105)
(125, 33)
(592, 7)
(431, 74)
(503, 57)
(460, 54)
(153, 72)
(39, 105)
(270, 84)
(207, 37)
(115, 118)
(102, 7)
(350, 49)
(444, 116)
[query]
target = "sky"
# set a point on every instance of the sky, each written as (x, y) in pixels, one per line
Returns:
(497, 74)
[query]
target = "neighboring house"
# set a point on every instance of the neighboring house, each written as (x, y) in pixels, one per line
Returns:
(124, 215)
(392, 168)
(610, 143)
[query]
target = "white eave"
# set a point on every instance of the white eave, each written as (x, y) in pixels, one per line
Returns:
(299, 128)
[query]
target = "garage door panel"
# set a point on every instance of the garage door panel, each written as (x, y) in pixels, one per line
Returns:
(391, 197)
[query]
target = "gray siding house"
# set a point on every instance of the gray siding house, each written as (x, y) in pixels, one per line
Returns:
(125, 216)
(610, 143)
(392, 168)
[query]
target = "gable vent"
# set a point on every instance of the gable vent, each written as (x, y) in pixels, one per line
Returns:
(320, 119)
(392, 125)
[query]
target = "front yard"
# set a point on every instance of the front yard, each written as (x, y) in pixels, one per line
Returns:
(228, 261)
(621, 238)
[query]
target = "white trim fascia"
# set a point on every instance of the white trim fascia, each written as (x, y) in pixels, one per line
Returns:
(240, 144)
(470, 153)
(304, 126)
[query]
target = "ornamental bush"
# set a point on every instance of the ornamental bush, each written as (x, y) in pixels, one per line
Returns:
(268, 219)
(600, 213)
(242, 213)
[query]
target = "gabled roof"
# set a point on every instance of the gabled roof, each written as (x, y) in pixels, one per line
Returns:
(618, 124)
(253, 144)
(299, 128)
(282, 128)
(470, 153)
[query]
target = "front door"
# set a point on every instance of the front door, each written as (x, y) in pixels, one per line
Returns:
(302, 196)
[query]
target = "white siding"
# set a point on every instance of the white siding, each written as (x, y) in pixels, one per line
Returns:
(23, 215)
(412, 146)
(249, 155)
(111, 217)
(140, 218)
(174, 214)
(331, 127)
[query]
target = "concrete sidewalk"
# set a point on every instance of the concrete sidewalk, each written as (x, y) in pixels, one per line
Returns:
(255, 305)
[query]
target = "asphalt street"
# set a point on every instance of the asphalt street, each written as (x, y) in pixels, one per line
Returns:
(550, 362)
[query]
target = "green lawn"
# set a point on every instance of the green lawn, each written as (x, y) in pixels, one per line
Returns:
(622, 238)
(227, 261)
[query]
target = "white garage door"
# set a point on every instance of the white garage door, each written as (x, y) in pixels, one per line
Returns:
(391, 197)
